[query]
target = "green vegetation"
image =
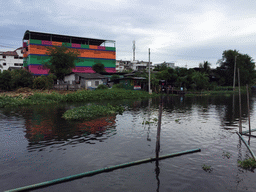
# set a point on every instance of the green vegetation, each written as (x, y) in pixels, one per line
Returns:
(207, 168)
(149, 122)
(113, 77)
(89, 112)
(226, 154)
(177, 120)
(44, 82)
(204, 78)
(101, 86)
(10, 80)
(78, 96)
(247, 163)
(226, 70)
(62, 61)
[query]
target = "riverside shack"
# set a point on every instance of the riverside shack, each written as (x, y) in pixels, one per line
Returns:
(132, 83)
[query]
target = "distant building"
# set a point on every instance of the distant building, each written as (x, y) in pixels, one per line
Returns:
(91, 51)
(123, 65)
(11, 59)
(167, 64)
(131, 65)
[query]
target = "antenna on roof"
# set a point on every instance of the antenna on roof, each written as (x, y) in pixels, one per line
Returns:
(133, 48)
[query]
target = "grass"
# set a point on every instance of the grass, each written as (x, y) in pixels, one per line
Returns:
(38, 98)
(89, 112)
(249, 163)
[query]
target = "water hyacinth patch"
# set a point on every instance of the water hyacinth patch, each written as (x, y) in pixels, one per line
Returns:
(78, 96)
(249, 163)
(89, 112)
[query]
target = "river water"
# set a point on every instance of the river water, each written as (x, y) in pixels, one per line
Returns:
(38, 145)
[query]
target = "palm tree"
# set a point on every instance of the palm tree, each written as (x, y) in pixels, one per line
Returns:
(205, 66)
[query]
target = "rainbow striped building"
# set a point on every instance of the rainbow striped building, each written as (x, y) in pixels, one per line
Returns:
(91, 51)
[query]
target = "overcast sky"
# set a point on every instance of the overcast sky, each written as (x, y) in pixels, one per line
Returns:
(181, 31)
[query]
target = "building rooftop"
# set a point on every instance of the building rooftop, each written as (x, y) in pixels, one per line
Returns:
(63, 38)
(91, 75)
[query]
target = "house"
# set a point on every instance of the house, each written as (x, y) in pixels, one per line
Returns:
(11, 59)
(131, 65)
(132, 83)
(91, 51)
(84, 80)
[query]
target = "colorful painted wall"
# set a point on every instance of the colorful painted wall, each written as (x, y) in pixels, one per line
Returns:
(35, 54)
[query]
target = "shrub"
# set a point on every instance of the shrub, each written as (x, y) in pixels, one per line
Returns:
(5, 80)
(43, 82)
(101, 86)
(118, 86)
(21, 78)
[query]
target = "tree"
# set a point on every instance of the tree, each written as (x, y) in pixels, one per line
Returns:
(205, 66)
(21, 78)
(243, 61)
(62, 61)
(201, 80)
(113, 77)
(5, 80)
(43, 82)
(98, 67)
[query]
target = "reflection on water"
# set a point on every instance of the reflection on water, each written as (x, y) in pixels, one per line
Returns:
(208, 123)
(44, 127)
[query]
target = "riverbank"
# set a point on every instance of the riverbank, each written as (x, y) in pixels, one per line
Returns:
(29, 97)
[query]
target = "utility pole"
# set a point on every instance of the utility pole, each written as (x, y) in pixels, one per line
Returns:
(133, 48)
(234, 81)
(149, 89)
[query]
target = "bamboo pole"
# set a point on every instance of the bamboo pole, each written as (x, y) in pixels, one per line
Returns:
(159, 127)
(252, 130)
(249, 119)
(240, 110)
(248, 147)
(107, 169)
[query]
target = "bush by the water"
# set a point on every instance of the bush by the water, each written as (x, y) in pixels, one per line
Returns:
(89, 112)
(15, 79)
(43, 82)
(101, 86)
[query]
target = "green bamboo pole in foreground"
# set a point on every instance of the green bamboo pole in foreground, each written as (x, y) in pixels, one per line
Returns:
(248, 147)
(107, 169)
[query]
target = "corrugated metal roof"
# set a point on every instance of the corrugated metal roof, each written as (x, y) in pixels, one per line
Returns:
(91, 75)
(62, 38)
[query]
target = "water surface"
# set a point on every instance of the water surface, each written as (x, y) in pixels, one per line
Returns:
(38, 145)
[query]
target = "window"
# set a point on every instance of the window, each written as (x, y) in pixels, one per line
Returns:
(4, 56)
(16, 57)
(18, 64)
(96, 83)
(4, 64)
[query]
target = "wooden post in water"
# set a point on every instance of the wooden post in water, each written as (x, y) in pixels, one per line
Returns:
(157, 169)
(240, 115)
(159, 128)
(249, 119)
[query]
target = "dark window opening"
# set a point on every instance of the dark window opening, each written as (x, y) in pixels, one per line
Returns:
(4, 64)
(18, 64)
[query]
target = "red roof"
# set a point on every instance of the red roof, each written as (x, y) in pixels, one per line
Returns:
(9, 53)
